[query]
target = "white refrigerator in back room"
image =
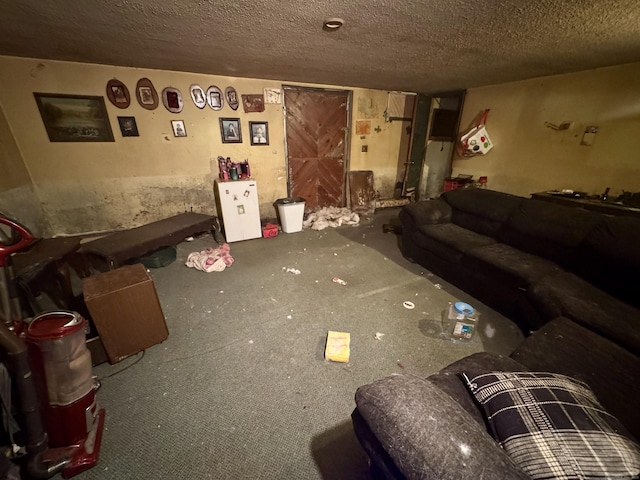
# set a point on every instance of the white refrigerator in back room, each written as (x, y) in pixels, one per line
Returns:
(238, 207)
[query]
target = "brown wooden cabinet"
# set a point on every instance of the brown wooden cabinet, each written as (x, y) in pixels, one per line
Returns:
(126, 311)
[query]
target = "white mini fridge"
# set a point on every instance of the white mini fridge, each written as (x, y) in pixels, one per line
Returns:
(238, 207)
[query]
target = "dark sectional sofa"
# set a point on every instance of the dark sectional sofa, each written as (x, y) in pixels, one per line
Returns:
(532, 260)
(568, 277)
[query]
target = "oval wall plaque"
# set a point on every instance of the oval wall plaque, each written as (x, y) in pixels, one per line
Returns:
(172, 99)
(214, 98)
(198, 96)
(232, 97)
(118, 93)
(146, 94)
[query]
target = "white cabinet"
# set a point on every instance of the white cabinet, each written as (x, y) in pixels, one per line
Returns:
(238, 207)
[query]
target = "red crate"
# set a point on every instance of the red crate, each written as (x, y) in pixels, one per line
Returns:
(270, 230)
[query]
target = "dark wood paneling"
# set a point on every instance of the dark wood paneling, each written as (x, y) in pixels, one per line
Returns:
(316, 123)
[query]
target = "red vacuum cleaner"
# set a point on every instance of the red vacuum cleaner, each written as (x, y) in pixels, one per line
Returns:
(53, 374)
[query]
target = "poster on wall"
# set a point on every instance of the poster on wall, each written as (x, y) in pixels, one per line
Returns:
(74, 118)
(272, 95)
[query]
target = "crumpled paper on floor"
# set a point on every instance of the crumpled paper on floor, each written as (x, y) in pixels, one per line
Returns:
(211, 259)
(331, 217)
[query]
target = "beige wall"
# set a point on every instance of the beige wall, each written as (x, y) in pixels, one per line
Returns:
(90, 187)
(530, 157)
(17, 198)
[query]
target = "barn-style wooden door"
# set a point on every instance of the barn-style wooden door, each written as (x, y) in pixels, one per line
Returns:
(317, 134)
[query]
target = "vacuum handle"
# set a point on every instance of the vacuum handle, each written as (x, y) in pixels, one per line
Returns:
(25, 239)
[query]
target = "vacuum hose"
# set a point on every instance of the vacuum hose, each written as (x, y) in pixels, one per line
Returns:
(37, 444)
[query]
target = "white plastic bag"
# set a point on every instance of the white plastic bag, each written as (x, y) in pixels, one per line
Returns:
(476, 141)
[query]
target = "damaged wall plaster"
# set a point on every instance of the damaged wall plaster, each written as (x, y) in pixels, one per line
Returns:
(91, 187)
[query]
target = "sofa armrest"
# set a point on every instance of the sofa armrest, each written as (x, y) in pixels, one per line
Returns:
(427, 212)
(427, 434)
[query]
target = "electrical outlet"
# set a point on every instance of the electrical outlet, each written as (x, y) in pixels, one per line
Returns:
(365, 148)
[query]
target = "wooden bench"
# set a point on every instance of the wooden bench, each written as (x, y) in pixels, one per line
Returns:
(116, 249)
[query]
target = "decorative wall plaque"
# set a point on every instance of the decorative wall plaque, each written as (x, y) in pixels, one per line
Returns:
(232, 97)
(214, 98)
(172, 99)
(253, 103)
(146, 94)
(118, 93)
(198, 96)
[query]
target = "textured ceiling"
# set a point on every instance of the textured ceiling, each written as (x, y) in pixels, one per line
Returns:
(412, 45)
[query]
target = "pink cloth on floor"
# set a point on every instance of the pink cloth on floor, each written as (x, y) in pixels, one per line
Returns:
(211, 259)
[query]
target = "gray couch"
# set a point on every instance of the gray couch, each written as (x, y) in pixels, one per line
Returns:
(569, 278)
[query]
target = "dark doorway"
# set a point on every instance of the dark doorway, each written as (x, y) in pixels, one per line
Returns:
(316, 124)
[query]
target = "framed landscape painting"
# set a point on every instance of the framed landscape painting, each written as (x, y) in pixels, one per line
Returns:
(74, 118)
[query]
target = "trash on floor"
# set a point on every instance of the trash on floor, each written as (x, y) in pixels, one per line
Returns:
(331, 217)
(462, 321)
(211, 259)
(295, 271)
(338, 346)
(438, 286)
(408, 305)
(339, 281)
(379, 335)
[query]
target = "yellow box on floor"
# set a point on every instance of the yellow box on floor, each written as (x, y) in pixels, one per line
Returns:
(338, 346)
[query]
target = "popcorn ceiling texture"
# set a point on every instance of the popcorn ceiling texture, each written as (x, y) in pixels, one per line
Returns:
(425, 46)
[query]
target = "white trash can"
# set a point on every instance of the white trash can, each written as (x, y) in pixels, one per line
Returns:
(291, 211)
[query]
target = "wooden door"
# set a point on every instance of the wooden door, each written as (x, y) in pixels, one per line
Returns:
(316, 124)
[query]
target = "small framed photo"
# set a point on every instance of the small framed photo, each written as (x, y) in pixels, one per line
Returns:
(178, 128)
(259, 133)
(128, 126)
(230, 130)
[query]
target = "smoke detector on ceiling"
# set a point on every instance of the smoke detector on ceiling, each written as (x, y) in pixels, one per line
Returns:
(332, 24)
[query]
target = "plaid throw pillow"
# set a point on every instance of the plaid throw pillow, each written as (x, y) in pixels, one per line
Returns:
(553, 427)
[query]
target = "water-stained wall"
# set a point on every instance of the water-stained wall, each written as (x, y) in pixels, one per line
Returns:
(100, 186)
(532, 153)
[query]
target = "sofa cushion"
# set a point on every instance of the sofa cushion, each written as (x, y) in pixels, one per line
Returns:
(548, 230)
(568, 295)
(426, 212)
(480, 210)
(448, 379)
(609, 257)
(427, 434)
(552, 426)
(508, 265)
(449, 241)
(553, 349)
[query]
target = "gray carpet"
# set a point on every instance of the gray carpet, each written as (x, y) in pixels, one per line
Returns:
(240, 389)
